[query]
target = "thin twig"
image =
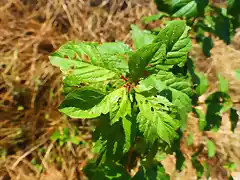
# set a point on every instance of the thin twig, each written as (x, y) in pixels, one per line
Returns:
(26, 154)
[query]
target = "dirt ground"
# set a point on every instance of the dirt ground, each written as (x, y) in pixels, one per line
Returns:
(30, 87)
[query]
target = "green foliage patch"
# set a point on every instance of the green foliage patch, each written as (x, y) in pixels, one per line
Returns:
(138, 98)
(205, 18)
(141, 97)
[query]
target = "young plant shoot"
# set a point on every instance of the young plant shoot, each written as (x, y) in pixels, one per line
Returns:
(139, 97)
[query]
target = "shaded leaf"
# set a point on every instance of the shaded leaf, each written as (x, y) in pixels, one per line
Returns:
(156, 172)
(198, 167)
(105, 171)
(234, 118)
(182, 8)
(217, 102)
(207, 45)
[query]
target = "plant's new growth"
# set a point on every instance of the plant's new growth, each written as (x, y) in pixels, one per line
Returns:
(138, 97)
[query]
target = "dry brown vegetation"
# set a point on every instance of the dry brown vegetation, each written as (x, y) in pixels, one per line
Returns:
(30, 88)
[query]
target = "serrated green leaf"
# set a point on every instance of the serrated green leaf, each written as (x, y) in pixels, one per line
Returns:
(111, 56)
(153, 121)
(238, 74)
(80, 72)
(169, 48)
(211, 148)
(75, 50)
(154, 17)
(223, 83)
(166, 80)
(178, 44)
(90, 103)
(140, 37)
(115, 56)
(152, 81)
(176, 88)
(114, 48)
(202, 83)
(158, 61)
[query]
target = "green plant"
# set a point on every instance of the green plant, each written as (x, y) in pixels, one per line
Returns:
(64, 137)
(217, 103)
(205, 18)
(140, 98)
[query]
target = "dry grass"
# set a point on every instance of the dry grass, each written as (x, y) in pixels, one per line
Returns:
(30, 88)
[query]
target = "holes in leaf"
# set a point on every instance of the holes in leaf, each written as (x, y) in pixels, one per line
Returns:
(85, 58)
(75, 56)
(152, 109)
